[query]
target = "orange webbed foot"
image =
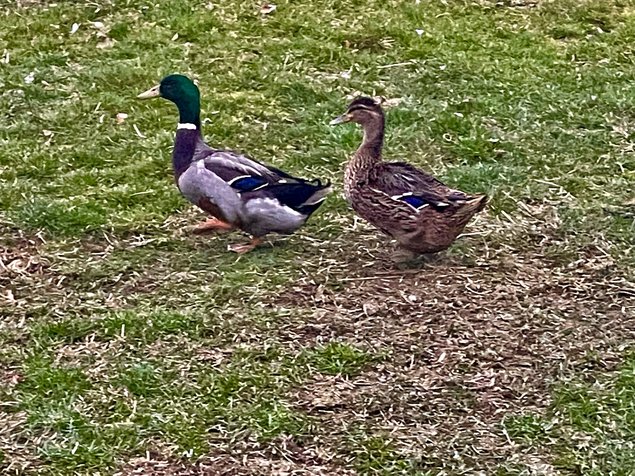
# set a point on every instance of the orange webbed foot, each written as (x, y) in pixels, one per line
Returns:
(211, 225)
(245, 247)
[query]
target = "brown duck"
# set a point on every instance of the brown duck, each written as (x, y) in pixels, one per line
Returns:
(413, 207)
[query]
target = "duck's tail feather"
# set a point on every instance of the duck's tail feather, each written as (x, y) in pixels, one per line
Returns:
(480, 201)
(320, 194)
(471, 206)
(304, 197)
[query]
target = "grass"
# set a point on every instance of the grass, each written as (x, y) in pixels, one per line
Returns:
(589, 425)
(128, 345)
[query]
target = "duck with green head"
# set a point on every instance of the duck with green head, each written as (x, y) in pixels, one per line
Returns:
(237, 191)
(420, 212)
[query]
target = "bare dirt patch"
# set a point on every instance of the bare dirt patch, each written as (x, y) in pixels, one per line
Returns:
(281, 458)
(466, 345)
(20, 258)
(15, 447)
(23, 272)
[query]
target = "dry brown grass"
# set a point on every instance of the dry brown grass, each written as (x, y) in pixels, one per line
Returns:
(466, 345)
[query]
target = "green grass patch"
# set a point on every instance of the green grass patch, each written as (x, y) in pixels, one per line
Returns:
(151, 398)
(134, 326)
(589, 426)
(377, 455)
(338, 358)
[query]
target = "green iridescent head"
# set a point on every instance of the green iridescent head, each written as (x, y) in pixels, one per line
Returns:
(182, 91)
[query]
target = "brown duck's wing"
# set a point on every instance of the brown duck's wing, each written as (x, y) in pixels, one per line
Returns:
(401, 177)
(404, 182)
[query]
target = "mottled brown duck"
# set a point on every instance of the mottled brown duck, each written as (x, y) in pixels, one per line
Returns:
(421, 213)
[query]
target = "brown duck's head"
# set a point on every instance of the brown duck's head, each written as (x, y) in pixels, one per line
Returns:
(362, 110)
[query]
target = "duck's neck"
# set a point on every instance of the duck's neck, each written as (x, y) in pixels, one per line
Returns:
(370, 151)
(188, 134)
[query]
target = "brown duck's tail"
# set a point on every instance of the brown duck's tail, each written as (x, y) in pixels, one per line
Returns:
(470, 207)
(480, 201)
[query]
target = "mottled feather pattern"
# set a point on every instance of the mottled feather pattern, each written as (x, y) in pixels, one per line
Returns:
(423, 230)
(389, 215)
(418, 210)
(399, 178)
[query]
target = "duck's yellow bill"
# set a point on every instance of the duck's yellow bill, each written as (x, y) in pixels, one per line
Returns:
(340, 119)
(150, 93)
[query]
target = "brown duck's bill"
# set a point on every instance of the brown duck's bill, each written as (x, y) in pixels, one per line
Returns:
(150, 93)
(340, 120)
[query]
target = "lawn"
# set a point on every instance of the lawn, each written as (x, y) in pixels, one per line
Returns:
(130, 346)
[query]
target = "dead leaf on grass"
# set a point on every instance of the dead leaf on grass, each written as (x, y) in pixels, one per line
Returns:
(268, 8)
(106, 43)
(121, 117)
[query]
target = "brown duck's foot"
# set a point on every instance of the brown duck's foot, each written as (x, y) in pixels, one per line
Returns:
(406, 259)
(402, 255)
(245, 247)
(430, 258)
(211, 225)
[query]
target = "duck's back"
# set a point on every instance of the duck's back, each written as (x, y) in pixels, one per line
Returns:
(396, 178)
(255, 197)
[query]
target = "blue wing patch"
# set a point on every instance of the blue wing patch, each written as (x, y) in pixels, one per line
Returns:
(418, 202)
(247, 183)
(413, 201)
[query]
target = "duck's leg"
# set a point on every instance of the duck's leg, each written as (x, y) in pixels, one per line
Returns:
(245, 247)
(404, 258)
(402, 255)
(210, 225)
